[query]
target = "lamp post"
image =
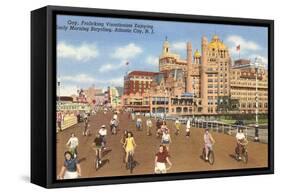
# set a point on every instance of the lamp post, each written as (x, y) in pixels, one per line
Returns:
(193, 96)
(165, 97)
(59, 85)
(257, 102)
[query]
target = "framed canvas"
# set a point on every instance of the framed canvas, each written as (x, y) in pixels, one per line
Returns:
(126, 96)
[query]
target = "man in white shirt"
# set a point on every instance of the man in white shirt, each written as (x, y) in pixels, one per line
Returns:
(103, 133)
(72, 143)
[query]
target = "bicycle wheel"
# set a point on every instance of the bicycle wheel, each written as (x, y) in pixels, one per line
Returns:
(130, 161)
(97, 163)
(236, 153)
(211, 157)
(203, 154)
(245, 157)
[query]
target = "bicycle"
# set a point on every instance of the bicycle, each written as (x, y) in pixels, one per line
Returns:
(98, 159)
(139, 126)
(244, 155)
(211, 155)
(163, 171)
(113, 130)
(130, 163)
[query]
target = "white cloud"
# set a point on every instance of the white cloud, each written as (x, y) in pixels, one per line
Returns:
(79, 78)
(263, 59)
(82, 52)
(119, 81)
(152, 60)
(74, 80)
(127, 52)
(109, 67)
(180, 45)
(67, 90)
(245, 45)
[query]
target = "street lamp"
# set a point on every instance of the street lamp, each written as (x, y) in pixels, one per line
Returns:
(165, 97)
(59, 85)
(193, 96)
(257, 64)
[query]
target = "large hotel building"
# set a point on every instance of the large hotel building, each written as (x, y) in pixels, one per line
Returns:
(205, 83)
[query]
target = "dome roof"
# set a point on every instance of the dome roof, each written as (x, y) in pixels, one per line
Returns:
(216, 43)
(197, 54)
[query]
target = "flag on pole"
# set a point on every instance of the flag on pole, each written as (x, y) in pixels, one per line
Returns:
(238, 49)
(127, 63)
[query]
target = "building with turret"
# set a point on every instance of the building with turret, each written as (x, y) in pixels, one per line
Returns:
(206, 82)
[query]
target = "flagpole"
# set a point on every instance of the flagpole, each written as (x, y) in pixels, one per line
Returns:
(239, 53)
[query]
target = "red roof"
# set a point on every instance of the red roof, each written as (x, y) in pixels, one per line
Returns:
(142, 73)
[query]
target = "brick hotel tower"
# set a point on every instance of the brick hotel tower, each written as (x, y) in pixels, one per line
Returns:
(204, 83)
(206, 73)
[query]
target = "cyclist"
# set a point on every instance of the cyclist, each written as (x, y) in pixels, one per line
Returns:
(103, 133)
(71, 168)
(122, 141)
(148, 126)
(161, 158)
(97, 145)
(86, 126)
(166, 139)
(177, 125)
(104, 110)
(187, 128)
(139, 123)
(241, 141)
(158, 127)
(113, 123)
(115, 115)
(161, 130)
(133, 116)
(72, 144)
(129, 145)
(208, 143)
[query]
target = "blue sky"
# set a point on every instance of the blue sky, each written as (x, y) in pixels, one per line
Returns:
(99, 58)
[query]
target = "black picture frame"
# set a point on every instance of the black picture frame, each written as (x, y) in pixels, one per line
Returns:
(43, 98)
